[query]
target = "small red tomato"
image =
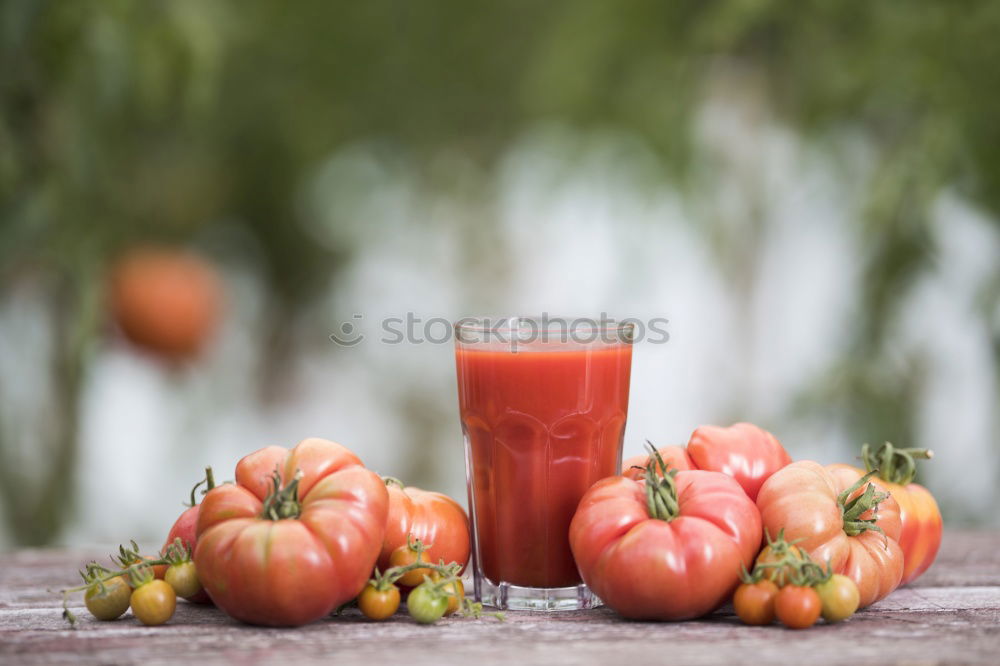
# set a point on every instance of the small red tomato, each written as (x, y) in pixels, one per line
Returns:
(797, 606)
(754, 602)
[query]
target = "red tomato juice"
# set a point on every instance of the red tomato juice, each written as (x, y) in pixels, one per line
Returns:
(541, 427)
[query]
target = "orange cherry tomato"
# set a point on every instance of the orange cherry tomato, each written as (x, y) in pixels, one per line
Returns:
(404, 556)
(797, 607)
(378, 604)
(754, 602)
(154, 602)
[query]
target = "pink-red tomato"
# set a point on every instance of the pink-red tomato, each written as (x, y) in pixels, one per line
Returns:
(437, 520)
(802, 498)
(645, 567)
(797, 607)
(744, 451)
(289, 560)
(754, 602)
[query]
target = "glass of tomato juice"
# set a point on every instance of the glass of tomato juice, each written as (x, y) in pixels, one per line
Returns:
(543, 405)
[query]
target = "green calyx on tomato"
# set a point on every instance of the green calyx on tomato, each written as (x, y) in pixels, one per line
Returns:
(853, 509)
(283, 503)
(661, 488)
(893, 464)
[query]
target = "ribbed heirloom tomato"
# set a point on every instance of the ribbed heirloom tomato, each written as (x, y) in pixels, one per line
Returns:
(667, 547)
(437, 520)
(295, 537)
(744, 451)
(839, 516)
(919, 515)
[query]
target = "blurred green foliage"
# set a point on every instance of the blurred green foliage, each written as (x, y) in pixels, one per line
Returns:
(196, 121)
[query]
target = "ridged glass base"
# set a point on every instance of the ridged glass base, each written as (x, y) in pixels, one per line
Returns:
(505, 596)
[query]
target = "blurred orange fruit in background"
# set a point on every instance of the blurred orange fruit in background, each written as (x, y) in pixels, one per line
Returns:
(165, 300)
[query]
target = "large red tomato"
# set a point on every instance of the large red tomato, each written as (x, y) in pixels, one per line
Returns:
(919, 516)
(744, 451)
(296, 536)
(185, 528)
(665, 548)
(838, 516)
(434, 518)
(165, 300)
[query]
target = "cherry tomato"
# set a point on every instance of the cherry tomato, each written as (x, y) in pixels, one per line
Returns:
(780, 575)
(184, 579)
(754, 602)
(404, 556)
(185, 528)
(455, 591)
(797, 607)
(154, 603)
(159, 570)
(436, 519)
(378, 604)
(839, 597)
(804, 499)
(426, 606)
(109, 602)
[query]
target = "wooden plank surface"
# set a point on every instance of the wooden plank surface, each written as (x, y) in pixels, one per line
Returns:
(951, 615)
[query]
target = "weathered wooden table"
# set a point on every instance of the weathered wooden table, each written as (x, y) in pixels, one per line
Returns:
(951, 615)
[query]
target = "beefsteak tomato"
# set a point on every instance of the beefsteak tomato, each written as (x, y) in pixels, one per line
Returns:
(744, 451)
(296, 536)
(434, 518)
(667, 547)
(919, 516)
(841, 516)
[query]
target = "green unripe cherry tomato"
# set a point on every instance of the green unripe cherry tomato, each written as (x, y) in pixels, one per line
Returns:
(184, 579)
(426, 605)
(839, 597)
(110, 602)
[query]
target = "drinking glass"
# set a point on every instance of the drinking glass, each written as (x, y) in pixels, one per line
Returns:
(543, 406)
